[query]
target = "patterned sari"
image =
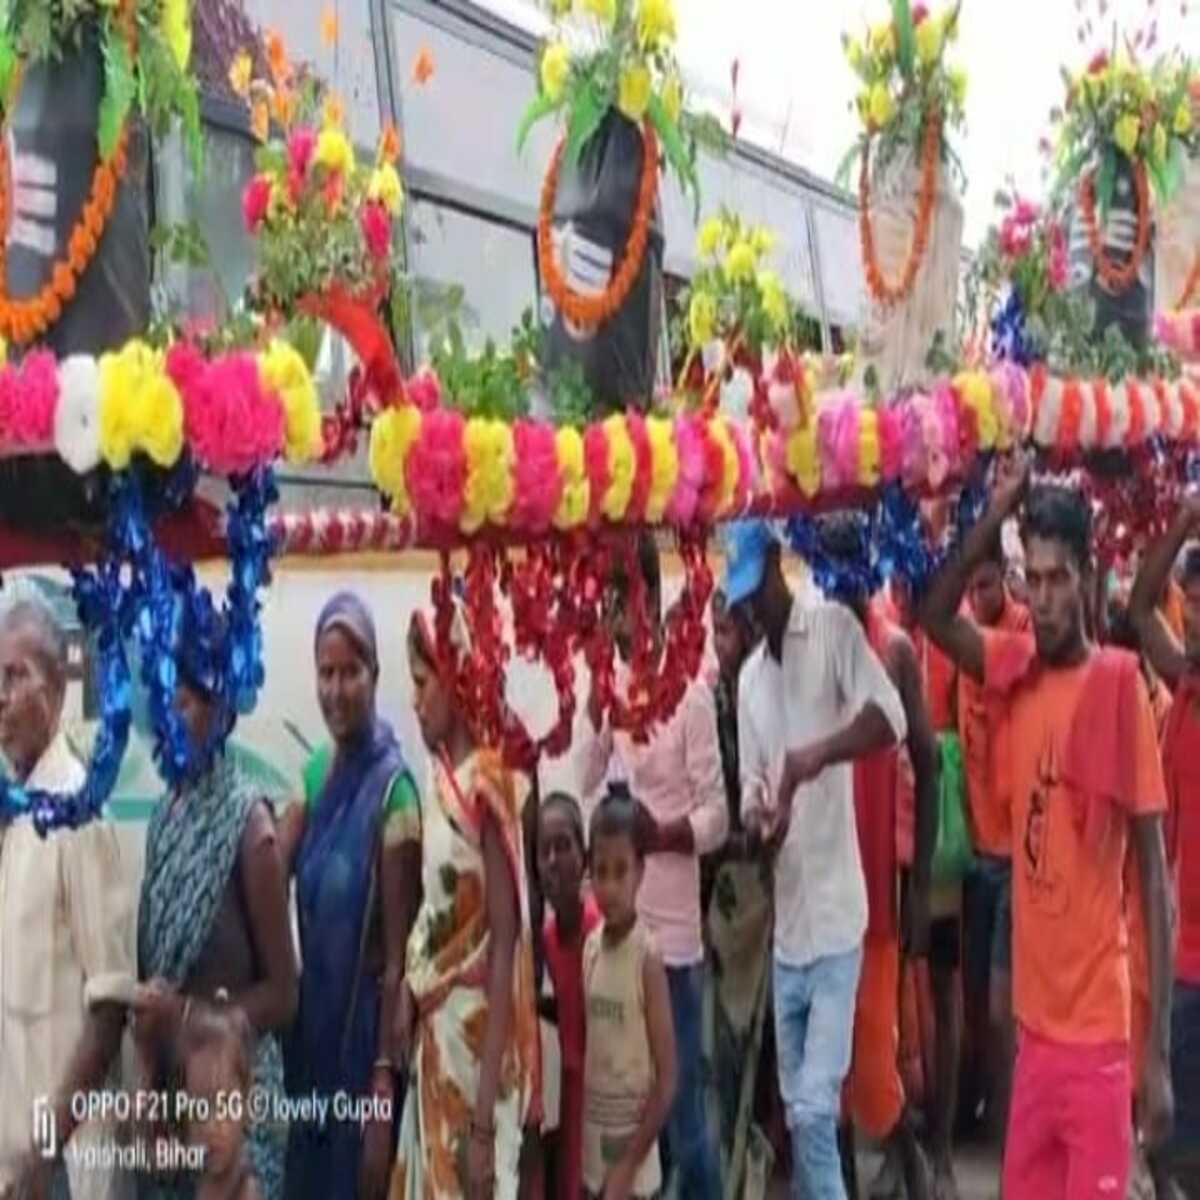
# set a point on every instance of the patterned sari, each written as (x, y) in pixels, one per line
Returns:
(447, 972)
(191, 851)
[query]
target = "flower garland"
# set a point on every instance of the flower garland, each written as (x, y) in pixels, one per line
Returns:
(1179, 332)
(1117, 279)
(587, 311)
(23, 320)
(881, 289)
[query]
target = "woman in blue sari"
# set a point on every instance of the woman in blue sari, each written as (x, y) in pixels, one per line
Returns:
(354, 845)
(212, 919)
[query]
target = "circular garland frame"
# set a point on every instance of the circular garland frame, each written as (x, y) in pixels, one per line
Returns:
(586, 311)
(21, 321)
(1116, 279)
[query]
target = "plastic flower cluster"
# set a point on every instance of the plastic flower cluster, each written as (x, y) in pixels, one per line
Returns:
(902, 72)
(605, 54)
(321, 216)
(733, 295)
(235, 412)
(1119, 106)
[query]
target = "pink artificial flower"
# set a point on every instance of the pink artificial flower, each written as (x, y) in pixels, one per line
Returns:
(946, 403)
(376, 228)
(185, 367)
(1058, 267)
(1025, 212)
(34, 400)
(537, 482)
(436, 471)
(1098, 63)
(891, 450)
(8, 394)
(1015, 239)
(231, 422)
(745, 480)
(689, 446)
(424, 389)
(595, 465)
(334, 188)
(295, 186)
(256, 200)
(914, 466)
(845, 444)
(827, 447)
(300, 148)
(919, 13)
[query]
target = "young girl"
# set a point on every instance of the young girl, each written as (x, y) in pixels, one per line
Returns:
(217, 1052)
(629, 1066)
(560, 867)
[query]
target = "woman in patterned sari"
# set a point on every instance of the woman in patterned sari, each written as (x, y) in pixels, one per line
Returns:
(212, 920)
(467, 1013)
(355, 844)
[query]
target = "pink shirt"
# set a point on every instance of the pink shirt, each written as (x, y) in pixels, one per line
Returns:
(677, 774)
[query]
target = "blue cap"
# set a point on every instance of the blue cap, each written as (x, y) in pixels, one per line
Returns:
(747, 544)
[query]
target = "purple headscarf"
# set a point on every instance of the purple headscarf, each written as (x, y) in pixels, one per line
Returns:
(345, 611)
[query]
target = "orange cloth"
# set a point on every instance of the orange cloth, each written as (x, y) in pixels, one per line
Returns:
(873, 1095)
(1070, 932)
(986, 756)
(1172, 609)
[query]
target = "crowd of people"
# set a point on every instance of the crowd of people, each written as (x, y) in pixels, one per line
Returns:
(979, 795)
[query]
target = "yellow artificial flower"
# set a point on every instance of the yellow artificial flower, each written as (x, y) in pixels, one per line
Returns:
(774, 300)
(655, 22)
(605, 11)
(672, 98)
(880, 105)
(664, 467)
(740, 262)
(284, 372)
(1183, 118)
(177, 30)
(3, 351)
(869, 450)
(800, 456)
(334, 151)
(488, 494)
(393, 434)
(702, 318)
(958, 85)
(386, 188)
(556, 70)
(140, 408)
(883, 39)
(1158, 149)
(1126, 131)
(708, 240)
(762, 240)
(975, 387)
(622, 467)
(929, 41)
(240, 72)
(856, 54)
(633, 91)
(576, 495)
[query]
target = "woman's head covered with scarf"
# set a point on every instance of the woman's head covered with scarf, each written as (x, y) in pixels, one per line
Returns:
(433, 675)
(347, 660)
(199, 656)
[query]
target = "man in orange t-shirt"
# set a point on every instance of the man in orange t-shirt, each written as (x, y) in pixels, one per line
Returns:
(987, 889)
(1069, 1130)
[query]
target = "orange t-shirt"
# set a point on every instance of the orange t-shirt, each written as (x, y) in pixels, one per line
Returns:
(1071, 974)
(982, 731)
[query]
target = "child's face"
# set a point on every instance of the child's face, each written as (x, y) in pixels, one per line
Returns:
(560, 857)
(208, 1074)
(616, 877)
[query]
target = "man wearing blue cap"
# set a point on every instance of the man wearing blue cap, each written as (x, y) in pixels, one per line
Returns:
(811, 700)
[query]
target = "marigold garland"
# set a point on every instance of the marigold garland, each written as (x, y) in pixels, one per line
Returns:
(1116, 279)
(590, 312)
(23, 320)
(883, 291)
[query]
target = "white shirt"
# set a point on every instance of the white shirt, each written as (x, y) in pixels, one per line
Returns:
(66, 919)
(828, 675)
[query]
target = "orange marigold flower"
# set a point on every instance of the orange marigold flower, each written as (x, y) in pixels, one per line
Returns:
(240, 71)
(422, 70)
(64, 281)
(333, 112)
(329, 25)
(389, 143)
(283, 106)
(277, 59)
(260, 120)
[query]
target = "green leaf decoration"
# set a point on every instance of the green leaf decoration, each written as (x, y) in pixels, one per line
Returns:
(1175, 169)
(120, 89)
(1106, 184)
(675, 150)
(906, 38)
(540, 106)
(270, 159)
(586, 115)
(842, 175)
(8, 62)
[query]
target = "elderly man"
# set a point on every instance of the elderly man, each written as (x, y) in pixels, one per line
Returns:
(66, 924)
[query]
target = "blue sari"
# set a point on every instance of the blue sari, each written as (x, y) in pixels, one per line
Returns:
(334, 1042)
(191, 851)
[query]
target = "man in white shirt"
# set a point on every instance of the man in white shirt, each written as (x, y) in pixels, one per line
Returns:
(66, 923)
(812, 698)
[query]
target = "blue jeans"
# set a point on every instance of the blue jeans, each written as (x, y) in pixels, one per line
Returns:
(1184, 1147)
(814, 1034)
(692, 1154)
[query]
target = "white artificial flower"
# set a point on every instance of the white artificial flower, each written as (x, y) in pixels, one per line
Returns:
(77, 419)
